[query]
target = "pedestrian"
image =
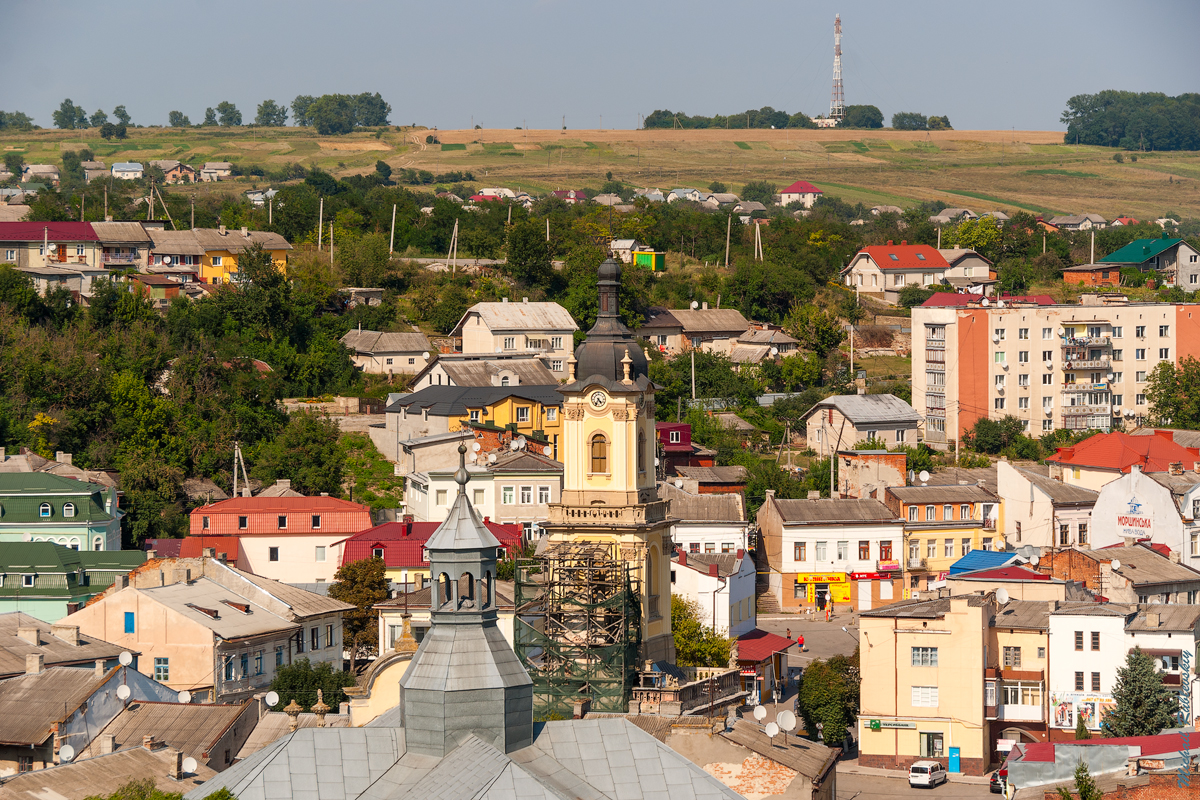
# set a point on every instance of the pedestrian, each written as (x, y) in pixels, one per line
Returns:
(800, 641)
(789, 633)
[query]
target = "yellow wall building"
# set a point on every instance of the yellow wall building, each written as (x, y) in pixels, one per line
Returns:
(941, 525)
(222, 247)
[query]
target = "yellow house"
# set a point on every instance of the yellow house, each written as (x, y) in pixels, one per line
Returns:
(525, 413)
(222, 247)
(941, 525)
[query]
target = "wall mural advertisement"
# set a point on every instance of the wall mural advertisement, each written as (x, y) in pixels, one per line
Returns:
(1067, 708)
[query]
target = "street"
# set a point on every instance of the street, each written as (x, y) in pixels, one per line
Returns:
(863, 787)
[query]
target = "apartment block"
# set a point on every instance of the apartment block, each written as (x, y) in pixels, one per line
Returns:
(1052, 366)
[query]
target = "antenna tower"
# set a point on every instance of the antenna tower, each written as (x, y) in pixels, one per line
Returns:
(837, 103)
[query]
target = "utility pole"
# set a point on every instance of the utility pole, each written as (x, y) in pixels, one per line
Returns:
(1092, 260)
(270, 210)
(331, 244)
(728, 229)
(106, 202)
(693, 374)
(193, 212)
(320, 223)
(392, 240)
(547, 229)
(83, 201)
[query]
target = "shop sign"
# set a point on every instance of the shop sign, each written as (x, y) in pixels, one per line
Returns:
(821, 577)
(1134, 523)
(1004, 745)
(889, 566)
(1066, 708)
(749, 673)
(891, 724)
(869, 576)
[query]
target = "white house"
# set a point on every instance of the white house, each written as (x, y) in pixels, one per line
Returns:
(801, 192)
(694, 195)
(706, 523)
(1087, 646)
(473, 369)
(545, 329)
(216, 170)
(406, 352)
(1037, 507)
(622, 249)
(722, 586)
(1157, 506)
(127, 170)
(839, 422)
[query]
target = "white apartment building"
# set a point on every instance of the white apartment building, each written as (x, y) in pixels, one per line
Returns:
(543, 329)
(722, 587)
(1051, 366)
(1087, 646)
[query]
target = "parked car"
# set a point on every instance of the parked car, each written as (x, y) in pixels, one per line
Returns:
(999, 779)
(927, 773)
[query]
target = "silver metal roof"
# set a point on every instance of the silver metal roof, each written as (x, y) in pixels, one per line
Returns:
(870, 409)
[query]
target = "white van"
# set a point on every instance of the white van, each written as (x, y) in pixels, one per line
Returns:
(927, 773)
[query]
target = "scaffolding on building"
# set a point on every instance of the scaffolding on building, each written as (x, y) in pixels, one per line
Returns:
(578, 626)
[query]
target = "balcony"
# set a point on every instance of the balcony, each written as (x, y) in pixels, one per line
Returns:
(916, 563)
(119, 258)
(935, 366)
(1015, 713)
(1086, 411)
(608, 515)
(1084, 341)
(1085, 387)
(1101, 363)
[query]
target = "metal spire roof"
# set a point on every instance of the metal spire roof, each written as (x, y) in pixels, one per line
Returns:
(463, 528)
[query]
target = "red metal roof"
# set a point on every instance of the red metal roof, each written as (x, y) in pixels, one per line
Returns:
(403, 543)
(801, 187)
(758, 645)
(281, 504)
(907, 256)
(54, 231)
(193, 546)
(1120, 451)
(1150, 745)
(1014, 572)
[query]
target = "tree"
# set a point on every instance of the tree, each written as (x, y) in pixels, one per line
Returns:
(177, 119)
(300, 680)
(1085, 785)
(145, 789)
(17, 120)
(696, 645)
(99, 118)
(370, 110)
(909, 121)
(914, 295)
(271, 114)
(940, 124)
(306, 452)
(449, 309)
(1142, 703)
(122, 115)
(828, 697)
(332, 114)
(228, 114)
(300, 109)
(210, 117)
(384, 170)
(528, 254)
(716, 187)
(69, 116)
(759, 191)
(981, 235)
(1081, 730)
(816, 329)
(992, 436)
(120, 131)
(862, 117)
(108, 131)
(362, 584)
(364, 261)
(15, 163)
(1174, 393)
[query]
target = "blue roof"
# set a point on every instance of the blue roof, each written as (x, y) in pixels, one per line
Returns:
(980, 559)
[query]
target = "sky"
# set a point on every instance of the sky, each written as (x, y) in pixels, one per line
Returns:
(456, 63)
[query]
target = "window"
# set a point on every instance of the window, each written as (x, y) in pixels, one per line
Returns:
(948, 549)
(1139, 399)
(1118, 355)
(709, 547)
(129, 622)
(1140, 354)
(523, 414)
(556, 365)
(543, 495)
(68, 509)
(551, 415)
(912, 513)
(864, 551)
(477, 495)
(387, 361)
(1078, 639)
(931, 548)
(1095, 640)
(1047, 380)
(526, 495)
(44, 509)
(412, 361)
(966, 546)
(900, 436)
(885, 551)
(1047, 333)
(508, 495)
(216, 261)
(964, 511)
(474, 415)
(1164, 330)
(1000, 381)
(440, 496)
(947, 513)
(930, 514)
(27, 580)
(820, 551)
(843, 550)
(662, 340)
(1022, 333)
(300, 641)
(245, 659)
(204, 523)
(1169, 664)
(798, 551)
(504, 380)
(924, 656)
(1118, 399)
(1023, 379)
(243, 523)
(1164, 353)
(999, 357)
(1083, 533)
(556, 343)
(1047, 355)
(272, 553)
(1117, 376)
(999, 403)
(1140, 331)
(999, 334)
(10, 255)
(329, 636)
(1079, 681)
(320, 553)
(1095, 681)
(599, 454)
(315, 638)
(1041, 651)
(1047, 425)
(1023, 403)
(377, 552)
(510, 342)
(925, 696)
(1023, 356)
(1064, 535)
(1140, 376)
(1012, 658)
(258, 668)
(162, 669)
(281, 522)
(676, 437)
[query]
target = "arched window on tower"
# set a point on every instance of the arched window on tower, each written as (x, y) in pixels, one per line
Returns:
(641, 457)
(599, 453)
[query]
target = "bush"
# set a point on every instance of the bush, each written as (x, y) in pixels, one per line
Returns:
(914, 295)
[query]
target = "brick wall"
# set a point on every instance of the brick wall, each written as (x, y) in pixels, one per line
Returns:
(969, 766)
(1160, 787)
(1093, 278)
(1071, 565)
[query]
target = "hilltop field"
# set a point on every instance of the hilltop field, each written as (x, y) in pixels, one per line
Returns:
(1008, 170)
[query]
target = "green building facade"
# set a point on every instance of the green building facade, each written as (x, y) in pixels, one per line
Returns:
(39, 507)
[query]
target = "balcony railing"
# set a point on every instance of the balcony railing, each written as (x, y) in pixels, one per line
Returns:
(1085, 411)
(1102, 363)
(916, 563)
(608, 515)
(121, 258)
(1085, 387)
(1015, 713)
(1084, 341)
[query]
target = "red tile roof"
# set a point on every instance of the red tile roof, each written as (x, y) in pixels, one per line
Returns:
(404, 543)
(281, 504)
(1014, 572)
(54, 231)
(193, 546)
(1125, 221)
(801, 187)
(758, 645)
(907, 256)
(1120, 451)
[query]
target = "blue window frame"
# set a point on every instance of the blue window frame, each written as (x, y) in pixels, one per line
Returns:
(162, 669)
(129, 622)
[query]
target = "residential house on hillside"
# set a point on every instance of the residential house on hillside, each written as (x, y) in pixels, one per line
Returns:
(123, 245)
(58, 645)
(212, 629)
(1041, 511)
(40, 173)
(942, 524)
(50, 581)
(175, 171)
(68, 246)
(1103, 458)
(1079, 222)
(216, 170)
(222, 247)
(608, 199)
(950, 215)
(691, 195)
(158, 289)
(706, 523)
(379, 353)
(801, 192)
(401, 545)
(829, 551)
(1092, 275)
(999, 217)
(679, 329)
(720, 585)
(745, 208)
(294, 539)
(779, 342)
(570, 196)
(473, 369)
(886, 269)
(43, 507)
(173, 250)
(676, 448)
(93, 170)
(1177, 261)
(542, 329)
(718, 199)
(622, 249)
(840, 421)
(127, 170)
(968, 271)
(713, 480)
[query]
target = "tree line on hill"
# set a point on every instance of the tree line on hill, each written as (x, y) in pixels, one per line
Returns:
(1134, 120)
(765, 117)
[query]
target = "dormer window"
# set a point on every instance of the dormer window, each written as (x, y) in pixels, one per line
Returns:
(676, 437)
(27, 581)
(376, 552)
(316, 521)
(44, 510)
(68, 509)
(281, 522)
(204, 523)
(243, 523)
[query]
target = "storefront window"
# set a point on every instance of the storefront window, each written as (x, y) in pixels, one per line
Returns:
(931, 745)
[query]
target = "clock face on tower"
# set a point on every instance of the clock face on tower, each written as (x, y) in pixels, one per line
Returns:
(598, 399)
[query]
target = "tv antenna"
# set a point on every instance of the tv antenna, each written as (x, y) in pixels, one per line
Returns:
(837, 103)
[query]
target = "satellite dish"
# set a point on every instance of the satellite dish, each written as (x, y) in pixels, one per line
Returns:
(189, 765)
(1049, 365)
(774, 351)
(786, 720)
(1002, 596)
(1049, 412)
(695, 305)
(126, 658)
(123, 692)
(66, 753)
(476, 447)
(924, 476)
(425, 355)
(1034, 560)
(521, 443)
(999, 304)
(996, 338)
(167, 260)
(272, 699)
(985, 302)
(185, 696)
(1111, 375)
(760, 713)
(491, 458)
(514, 445)
(679, 483)
(1116, 565)
(772, 730)
(1062, 331)
(548, 450)
(50, 246)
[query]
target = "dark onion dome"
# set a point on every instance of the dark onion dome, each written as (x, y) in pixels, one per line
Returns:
(604, 351)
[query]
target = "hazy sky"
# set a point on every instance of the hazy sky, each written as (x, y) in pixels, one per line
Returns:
(500, 63)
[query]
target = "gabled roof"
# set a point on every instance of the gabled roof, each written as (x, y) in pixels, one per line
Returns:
(455, 401)
(759, 645)
(688, 507)
(955, 254)
(31, 705)
(301, 602)
(403, 543)
(728, 564)
(905, 256)
(127, 166)
(839, 510)
(1012, 572)
(476, 371)
(1142, 565)
(981, 560)
(708, 320)
(801, 187)
(120, 232)
(386, 342)
(869, 409)
(767, 337)
(193, 728)
(1022, 614)
(102, 776)
(194, 600)
(183, 243)
(55, 651)
(942, 493)
(1140, 250)
(1120, 451)
(194, 546)
(1059, 493)
(40, 231)
(234, 241)
(525, 461)
(734, 474)
(271, 505)
(520, 317)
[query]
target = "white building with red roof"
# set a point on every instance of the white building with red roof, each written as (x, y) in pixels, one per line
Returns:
(1105, 457)
(289, 539)
(799, 192)
(886, 269)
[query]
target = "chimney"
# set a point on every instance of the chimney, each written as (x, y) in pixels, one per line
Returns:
(175, 765)
(209, 552)
(65, 458)
(1052, 605)
(904, 242)
(713, 571)
(151, 555)
(524, 299)
(4, 456)
(246, 492)
(148, 742)
(1175, 468)
(34, 663)
(108, 743)
(741, 554)
(99, 668)
(72, 608)
(223, 558)
(503, 299)
(284, 483)
(68, 633)
(814, 495)
(222, 230)
(108, 217)
(32, 635)
(770, 495)
(1152, 620)
(245, 232)
(704, 306)
(889, 244)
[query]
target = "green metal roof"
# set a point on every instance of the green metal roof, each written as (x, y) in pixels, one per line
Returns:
(1139, 250)
(57, 569)
(38, 557)
(22, 495)
(123, 560)
(18, 483)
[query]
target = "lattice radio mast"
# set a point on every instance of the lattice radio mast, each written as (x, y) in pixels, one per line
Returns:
(837, 103)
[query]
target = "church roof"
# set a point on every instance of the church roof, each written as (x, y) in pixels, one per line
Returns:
(610, 346)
